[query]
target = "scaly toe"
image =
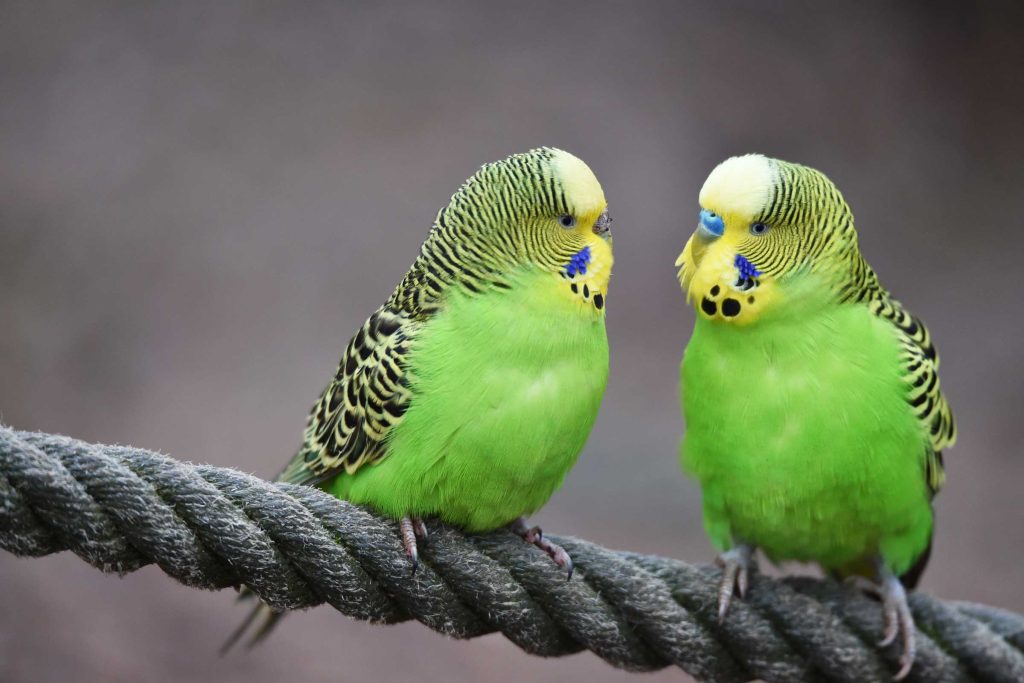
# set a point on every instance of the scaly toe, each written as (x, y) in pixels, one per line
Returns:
(535, 536)
(419, 528)
(557, 554)
(908, 641)
(407, 528)
(725, 590)
(892, 625)
(899, 622)
(735, 566)
(562, 559)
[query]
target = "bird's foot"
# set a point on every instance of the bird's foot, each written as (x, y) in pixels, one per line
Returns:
(735, 566)
(899, 622)
(412, 528)
(535, 536)
(864, 585)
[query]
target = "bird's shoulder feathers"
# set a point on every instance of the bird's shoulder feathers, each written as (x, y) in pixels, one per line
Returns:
(349, 425)
(920, 366)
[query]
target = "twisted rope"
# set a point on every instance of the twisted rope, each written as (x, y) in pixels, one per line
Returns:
(121, 508)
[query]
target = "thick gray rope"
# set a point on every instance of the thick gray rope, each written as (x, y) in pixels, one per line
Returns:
(121, 508)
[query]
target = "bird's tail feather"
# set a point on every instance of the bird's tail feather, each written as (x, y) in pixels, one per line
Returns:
(912, 576)
(263, 613)
(865, 568)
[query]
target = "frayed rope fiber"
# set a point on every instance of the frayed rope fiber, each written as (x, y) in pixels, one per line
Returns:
(121, 508)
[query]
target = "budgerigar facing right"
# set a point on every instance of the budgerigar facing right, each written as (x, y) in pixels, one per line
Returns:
(814, 419)
(469, 394)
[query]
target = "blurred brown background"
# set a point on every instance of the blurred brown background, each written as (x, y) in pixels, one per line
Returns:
(199, 205)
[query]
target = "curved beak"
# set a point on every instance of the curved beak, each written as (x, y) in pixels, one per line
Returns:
(603, 226)
(711, 225)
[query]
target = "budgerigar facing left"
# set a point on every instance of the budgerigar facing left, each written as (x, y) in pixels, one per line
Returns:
(469, 394)
(814, 419)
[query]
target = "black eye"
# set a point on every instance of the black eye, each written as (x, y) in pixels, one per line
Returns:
(758, 229)
(567, 221)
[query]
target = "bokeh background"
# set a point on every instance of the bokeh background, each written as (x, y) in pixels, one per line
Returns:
(199, 204)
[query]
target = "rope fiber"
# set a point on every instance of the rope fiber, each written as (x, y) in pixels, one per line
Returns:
(121, 508)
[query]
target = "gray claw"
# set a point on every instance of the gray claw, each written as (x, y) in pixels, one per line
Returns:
(891, 620)
(896, 616)
(735, 566)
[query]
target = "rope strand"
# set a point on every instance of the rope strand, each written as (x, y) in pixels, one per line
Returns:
(121, 508)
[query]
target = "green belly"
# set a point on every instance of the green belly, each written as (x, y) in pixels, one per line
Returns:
(506, 386)
(802, 440)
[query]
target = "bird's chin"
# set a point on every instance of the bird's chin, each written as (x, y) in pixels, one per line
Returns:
(684, 275)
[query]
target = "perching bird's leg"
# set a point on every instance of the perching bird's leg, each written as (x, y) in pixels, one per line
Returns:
(535, 536)
(899, 622)
(735, 566)
(896, 616)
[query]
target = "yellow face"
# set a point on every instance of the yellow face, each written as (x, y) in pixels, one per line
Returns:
(584, 278)
(722, 284)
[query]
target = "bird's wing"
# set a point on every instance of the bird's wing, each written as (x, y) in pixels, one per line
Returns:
(920, 363)
(348, 427)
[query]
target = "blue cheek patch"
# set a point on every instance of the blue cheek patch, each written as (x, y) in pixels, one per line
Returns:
(746, 268)
(578, 262)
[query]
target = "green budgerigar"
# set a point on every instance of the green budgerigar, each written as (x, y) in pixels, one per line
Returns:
(469, 394)
(814, 419)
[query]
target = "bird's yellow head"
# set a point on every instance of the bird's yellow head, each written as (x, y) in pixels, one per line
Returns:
(762, 224)
(541, 210)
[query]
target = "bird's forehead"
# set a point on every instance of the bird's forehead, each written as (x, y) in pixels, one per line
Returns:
(582, 191)
(740, 185)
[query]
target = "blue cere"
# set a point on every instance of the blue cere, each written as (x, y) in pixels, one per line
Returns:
(578, 262)
(712, 223)
(746, 268)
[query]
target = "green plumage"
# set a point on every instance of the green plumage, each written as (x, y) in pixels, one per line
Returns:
(799, 431)
(470, 393)
(814, 418)
(506, 388)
